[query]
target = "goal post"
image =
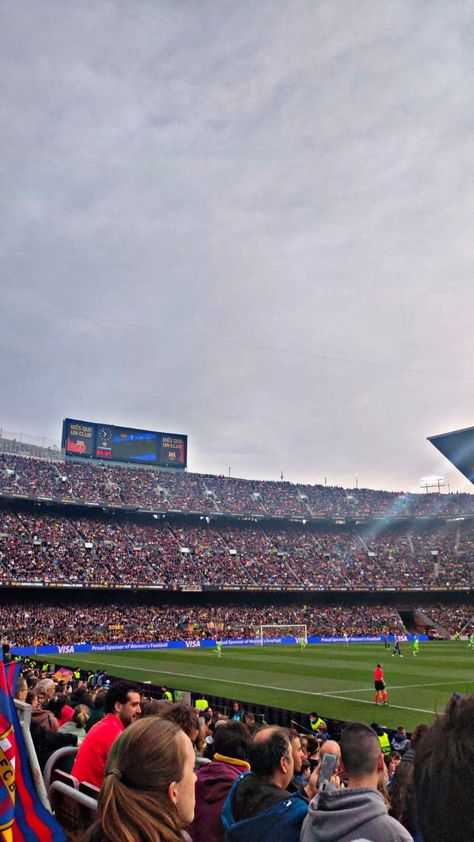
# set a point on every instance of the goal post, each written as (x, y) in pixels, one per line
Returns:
(298, 631)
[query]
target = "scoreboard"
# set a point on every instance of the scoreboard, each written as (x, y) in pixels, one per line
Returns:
(124, 444)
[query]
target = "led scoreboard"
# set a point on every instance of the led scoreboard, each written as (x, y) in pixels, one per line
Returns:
(124, 444)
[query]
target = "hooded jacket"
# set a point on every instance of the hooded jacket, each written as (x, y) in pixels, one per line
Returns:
(344, 815)
(258, 810)
(213, 784)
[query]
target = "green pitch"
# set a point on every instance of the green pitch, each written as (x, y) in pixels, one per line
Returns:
(335, 680)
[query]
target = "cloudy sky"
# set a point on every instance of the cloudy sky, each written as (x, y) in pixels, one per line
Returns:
(249, 222)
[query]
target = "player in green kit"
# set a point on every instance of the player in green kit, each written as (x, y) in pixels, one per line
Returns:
(303, 644)
(218, 648)
(415, 646)
(471, 641)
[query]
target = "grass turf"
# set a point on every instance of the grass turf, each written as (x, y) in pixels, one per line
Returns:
(335, 680)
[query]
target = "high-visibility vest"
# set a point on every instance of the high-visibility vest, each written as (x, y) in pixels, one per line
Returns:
(384, 743)
(168, 695)
(77, 674)
(201, 704)
(317, 724)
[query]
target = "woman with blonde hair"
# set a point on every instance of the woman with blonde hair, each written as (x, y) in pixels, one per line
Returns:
(148, 790)
(77, 724)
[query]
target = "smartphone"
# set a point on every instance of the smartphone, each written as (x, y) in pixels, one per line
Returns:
(328, 767)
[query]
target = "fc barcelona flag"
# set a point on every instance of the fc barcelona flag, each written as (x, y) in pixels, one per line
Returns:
(22, 815)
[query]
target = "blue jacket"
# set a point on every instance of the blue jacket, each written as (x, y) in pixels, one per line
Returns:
(279, 823)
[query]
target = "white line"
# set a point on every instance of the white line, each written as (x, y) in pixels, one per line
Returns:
(258, 686)
(402, 686)
(366, 702)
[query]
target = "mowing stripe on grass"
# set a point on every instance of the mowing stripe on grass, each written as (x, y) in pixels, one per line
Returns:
(258, 686)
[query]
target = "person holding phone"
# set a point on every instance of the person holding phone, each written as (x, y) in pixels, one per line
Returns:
(358, 812)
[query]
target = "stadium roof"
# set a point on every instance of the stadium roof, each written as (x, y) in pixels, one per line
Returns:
(458, 447)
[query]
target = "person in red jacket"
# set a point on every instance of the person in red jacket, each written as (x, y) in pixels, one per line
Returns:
(379, 684)
(122, 707)
(215, 779)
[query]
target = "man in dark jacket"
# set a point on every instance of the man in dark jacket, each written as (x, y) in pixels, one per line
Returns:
(259, 805)
(214, 780)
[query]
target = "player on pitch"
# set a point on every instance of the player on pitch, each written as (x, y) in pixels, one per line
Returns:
(379, 684)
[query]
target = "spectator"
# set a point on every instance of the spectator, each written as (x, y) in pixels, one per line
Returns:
(21, 689)
(418, 733)
(156, 707)
(186, 717)
(59, 706)
(122, 706)
(45, 741)
(77, 724)
(342, 815)
(400, 741)
(249, 721)
(259, 805)
(148, 791)
(403, 799)
(444, 775)
(97, 712)
(308, 789)
(236, 713)
(215, 779)
(46, 689)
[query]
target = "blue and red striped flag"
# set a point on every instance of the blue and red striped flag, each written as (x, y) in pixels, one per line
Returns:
(23, 818)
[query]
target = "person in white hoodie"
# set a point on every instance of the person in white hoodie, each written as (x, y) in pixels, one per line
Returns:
(358, 811)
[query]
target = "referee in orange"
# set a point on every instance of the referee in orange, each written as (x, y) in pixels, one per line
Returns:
(379, 684)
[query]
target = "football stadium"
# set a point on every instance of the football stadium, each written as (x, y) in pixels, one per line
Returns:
(236, 441)
(276, 600)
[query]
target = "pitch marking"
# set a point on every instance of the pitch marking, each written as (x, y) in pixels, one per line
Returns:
(400, 687)
(330, 694)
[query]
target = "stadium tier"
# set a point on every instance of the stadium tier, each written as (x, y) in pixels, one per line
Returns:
(165, 491)
(86, 526)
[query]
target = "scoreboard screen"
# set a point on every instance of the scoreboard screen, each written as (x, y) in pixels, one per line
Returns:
(79, 440)
(124, 444)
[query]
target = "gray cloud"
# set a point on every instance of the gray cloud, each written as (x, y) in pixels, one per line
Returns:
(192, 192)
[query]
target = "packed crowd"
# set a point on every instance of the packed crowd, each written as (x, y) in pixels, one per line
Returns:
(163, 771)
(104, 550)
(33, 623)
(114, 485)
(453, 618)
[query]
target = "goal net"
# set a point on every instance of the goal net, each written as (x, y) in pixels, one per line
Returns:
(300, 632)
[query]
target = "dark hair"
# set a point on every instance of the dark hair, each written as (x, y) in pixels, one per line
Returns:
(157, 707)
(444, 762)
(100, 697)
(56, 704)
(360, 749)
(313, 745)
(418, 733)
(186, 717)
(31, 695)
(402, 797)
(266, 749)
(232, 740)
(118, 692)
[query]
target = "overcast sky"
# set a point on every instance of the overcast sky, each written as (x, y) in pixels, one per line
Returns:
(251, 222)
